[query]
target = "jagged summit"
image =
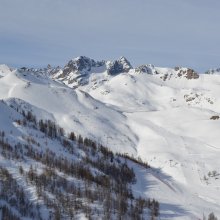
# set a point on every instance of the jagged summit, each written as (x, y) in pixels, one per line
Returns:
(149, 69)
(119, 66)
(79, 70)
(81, 63)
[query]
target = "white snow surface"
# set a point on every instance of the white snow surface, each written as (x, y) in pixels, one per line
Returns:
(4, 70)
(164, 122)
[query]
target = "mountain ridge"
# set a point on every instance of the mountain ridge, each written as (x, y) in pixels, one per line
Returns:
(167, 117)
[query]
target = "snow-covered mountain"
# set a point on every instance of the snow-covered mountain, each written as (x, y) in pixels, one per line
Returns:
(78, 71)
(4, 70)
(213, 71)
(168, 117)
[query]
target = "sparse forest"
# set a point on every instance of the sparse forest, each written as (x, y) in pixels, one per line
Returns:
(86, 178)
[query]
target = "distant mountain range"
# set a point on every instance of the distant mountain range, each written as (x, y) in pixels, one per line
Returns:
(106, 140)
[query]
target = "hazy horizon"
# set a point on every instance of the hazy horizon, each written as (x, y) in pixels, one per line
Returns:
(164, 33)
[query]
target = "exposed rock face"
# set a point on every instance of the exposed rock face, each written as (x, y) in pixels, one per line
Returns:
(55, 70)
(80, 64)
(215, 117)
(78, 71)
(189, 73)
(49, 70)
(118, 66)
(149, 69)
(177, 72)
(82, 70)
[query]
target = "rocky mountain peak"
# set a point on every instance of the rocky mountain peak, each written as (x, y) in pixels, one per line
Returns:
(187, 73)
(118, 66)
(149, 69)
(81, 64)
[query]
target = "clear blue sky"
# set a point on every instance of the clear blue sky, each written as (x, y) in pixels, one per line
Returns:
(161, 32)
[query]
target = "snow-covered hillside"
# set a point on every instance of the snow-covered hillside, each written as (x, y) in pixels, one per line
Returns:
(166, 117)
(45, 174)
(4, 70)
(170, 111)
(73, 110)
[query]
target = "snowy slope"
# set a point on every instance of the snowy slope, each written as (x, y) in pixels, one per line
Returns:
(169, 111)
(161, 115)
(37, 169)
(175, 135)
(4, 70)
(73, 110)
